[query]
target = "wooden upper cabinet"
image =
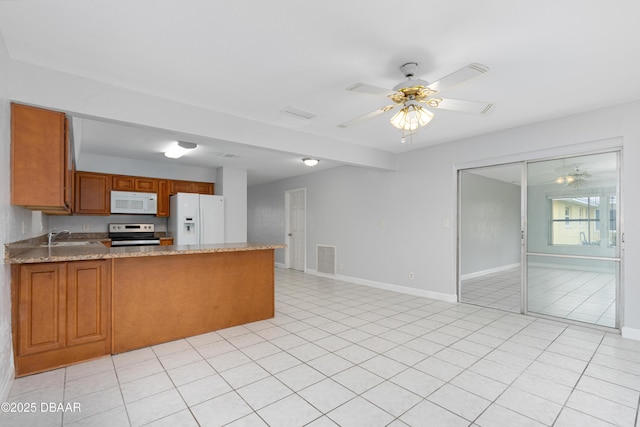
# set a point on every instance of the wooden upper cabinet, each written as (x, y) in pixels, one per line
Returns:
(191, 187)
(149, 185)
(122, 183)
(93, 190)
(93, 193)
(134, 183)
(41, 160)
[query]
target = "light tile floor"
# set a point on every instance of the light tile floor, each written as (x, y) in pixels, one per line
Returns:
(349, 355)
(570, 294)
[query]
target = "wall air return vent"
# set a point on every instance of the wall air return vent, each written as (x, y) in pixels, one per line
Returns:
(326, 259)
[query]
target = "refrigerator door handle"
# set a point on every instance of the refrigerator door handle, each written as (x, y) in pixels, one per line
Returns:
(201, 222)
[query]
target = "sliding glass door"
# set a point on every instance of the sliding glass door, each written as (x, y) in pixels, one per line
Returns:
(572, 251)
(490, 224)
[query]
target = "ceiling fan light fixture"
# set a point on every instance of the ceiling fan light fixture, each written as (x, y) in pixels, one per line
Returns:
(180, 149)
(576, 179)
(411, 117)
(310, 162)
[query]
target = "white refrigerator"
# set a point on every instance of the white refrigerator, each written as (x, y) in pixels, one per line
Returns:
(196, 219)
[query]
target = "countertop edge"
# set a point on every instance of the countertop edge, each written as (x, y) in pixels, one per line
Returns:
(82, 253)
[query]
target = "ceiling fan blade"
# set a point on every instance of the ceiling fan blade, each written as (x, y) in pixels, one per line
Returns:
(372, 90)
(472, 107)
(368, 116)
(459, 76)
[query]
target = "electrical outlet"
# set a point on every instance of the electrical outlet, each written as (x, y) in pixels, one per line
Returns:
(411, 275)
(24, 228)
(85, 227)
(341, 266)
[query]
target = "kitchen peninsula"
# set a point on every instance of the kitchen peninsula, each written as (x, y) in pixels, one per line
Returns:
(74, 303)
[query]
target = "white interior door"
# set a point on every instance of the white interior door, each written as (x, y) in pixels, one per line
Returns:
(296, 200)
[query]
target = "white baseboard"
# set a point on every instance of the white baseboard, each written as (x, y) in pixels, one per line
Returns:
(389, 287)
(489, 271)
(631, 333)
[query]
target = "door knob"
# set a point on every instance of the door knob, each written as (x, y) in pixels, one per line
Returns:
(289, 234)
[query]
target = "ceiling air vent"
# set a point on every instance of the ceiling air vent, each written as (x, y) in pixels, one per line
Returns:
(299, 112)
(227, 155)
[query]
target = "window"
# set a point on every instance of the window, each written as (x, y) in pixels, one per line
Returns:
(575, 220)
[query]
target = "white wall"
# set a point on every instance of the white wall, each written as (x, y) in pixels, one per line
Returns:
(232, 184)
(121, 166)
(347, 207)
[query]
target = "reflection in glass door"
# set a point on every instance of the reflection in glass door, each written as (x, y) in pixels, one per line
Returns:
(573, 255)
(490, 224)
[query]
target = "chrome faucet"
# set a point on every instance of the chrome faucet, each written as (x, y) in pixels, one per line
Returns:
(52, 235)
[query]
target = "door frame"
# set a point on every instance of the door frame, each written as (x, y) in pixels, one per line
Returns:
(287, 226)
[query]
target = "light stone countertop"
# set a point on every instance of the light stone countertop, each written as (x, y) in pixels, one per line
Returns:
(25, 254)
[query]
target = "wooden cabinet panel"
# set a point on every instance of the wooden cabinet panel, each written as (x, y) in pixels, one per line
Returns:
(134, 183)
(166, 241)
(203, 187)
(92, 194)
(41, 309)
(149, 185)
(163, 198)
(191, 187)
(123, 183)
(216, 291)
(39, 160)
(88, 294)
(181, 187)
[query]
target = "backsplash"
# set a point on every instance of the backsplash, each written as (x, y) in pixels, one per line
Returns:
(99, 224)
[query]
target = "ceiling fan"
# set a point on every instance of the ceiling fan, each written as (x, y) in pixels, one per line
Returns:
(413, 95)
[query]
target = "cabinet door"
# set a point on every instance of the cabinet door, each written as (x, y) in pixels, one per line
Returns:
(39, 155)
(181, 187)
(203, 187)
(123, 183)
(163, 198)
(41, 308)
(149, 185)
(191, 187)
(92, 194)
(88, 304)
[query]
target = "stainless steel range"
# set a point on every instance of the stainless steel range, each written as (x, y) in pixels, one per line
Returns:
(133, 235)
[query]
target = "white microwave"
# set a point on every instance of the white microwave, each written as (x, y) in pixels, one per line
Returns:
(127, 202)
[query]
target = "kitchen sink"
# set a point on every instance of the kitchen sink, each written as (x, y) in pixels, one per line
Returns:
(72, 243)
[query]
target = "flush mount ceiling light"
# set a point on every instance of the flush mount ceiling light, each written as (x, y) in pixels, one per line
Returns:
(180, 149)
(310, 162)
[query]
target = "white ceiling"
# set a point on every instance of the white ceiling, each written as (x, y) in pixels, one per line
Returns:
(253, 58)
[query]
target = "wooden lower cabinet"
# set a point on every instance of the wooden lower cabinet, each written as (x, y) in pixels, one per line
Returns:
(61, 314)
